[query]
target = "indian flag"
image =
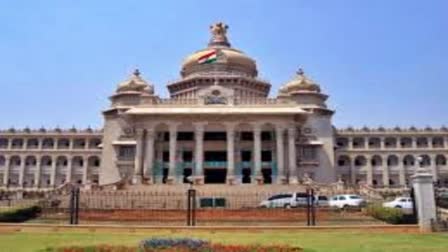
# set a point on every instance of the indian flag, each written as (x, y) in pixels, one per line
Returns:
(208, 57)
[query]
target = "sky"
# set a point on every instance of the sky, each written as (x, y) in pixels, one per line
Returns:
(382, 62)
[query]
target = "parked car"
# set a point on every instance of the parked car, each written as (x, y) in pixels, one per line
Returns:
(346, 201)
(404, 203)
(289, 200)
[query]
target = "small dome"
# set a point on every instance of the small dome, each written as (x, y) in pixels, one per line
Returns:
(300, 83)
(221, 54)
(135, 83)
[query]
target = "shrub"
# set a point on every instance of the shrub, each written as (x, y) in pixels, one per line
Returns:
(389, 215)
(20, 214)
(155, 244)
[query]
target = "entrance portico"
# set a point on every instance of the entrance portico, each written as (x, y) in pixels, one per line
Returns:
(229, 152)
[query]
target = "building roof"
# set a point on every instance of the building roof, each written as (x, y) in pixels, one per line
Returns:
(220, 110)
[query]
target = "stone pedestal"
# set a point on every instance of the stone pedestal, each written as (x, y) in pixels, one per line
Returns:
(422, 182)
(259, 180)
(198, 180)
(231, 180)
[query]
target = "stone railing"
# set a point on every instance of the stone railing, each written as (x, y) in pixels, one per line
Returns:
(237, 101)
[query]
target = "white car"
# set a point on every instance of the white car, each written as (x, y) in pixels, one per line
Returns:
(346, 200)
(285, 200)
(404, 203)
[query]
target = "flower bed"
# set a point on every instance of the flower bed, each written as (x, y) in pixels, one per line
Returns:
(177, 245)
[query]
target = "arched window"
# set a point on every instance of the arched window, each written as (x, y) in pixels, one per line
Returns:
(408, 160)
(17, 143)
(406, 142)
(392, 160)
(359, 143)
(422, 142)
(342, 142)
(437, 142)
(4, 143)
(374, 143)
(46, 161)
(390, 142)
(94, 161)
(48, 143)
(440, 160)
(61, 161)
(343, 160)
(360, 161)
(30, 161)
(32, 143)
(2, 161)
(376, 161)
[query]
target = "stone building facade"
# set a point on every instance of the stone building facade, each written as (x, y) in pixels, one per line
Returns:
(219, 126)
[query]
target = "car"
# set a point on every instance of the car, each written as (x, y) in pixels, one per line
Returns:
(290, 200)
(346, 201)
(404, 203)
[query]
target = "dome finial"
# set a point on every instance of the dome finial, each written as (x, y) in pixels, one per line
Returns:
(300, 71)
(219, 34)
(136, 72)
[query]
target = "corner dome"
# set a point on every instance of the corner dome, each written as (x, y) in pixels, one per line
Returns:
(300, 83)
(219, 52)
(135, 83)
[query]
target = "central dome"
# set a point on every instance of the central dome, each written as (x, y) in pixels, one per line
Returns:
(218, 57)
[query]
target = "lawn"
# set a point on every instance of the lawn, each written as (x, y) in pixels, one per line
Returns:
(312, 241)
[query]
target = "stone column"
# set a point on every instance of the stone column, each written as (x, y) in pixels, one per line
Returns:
(6, 173)
(401, 171)
(281, 178)
(172, 153)
(199, 129)
(37, 173)
(434, 170)
(68, 178)
(292, 156)
(22, 171)
(352, 171)
(85, 167)
(422, 181)
(230, 128)
(385, 171)
(257, 153)
(369, 171)
(53, 171)
(138, 161)
(149, 155)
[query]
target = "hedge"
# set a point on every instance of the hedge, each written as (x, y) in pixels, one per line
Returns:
(390, 215)
(20, 214)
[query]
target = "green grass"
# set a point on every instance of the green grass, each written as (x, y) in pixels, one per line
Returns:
(312, 241)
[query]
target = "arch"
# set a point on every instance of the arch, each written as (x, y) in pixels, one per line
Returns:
(342, 142)
(30, 161)
(61, 161)
(4, 143)
(2, 161)
(344, 160)
(79, 143)
(48, 143)
(359, 142)
(392, 160)
(46, 161)
(32, 143)
(440, 160)
(425, 160)
(390, 142)
(376, 160)
(77, 161)
(374, 142)
(94, 143)
(94, 161)
(63, 143)
(17, 143)
(409, 160)
(438, 142)
(360, 161)
(422, 142)
(15, 161)
(406, 142)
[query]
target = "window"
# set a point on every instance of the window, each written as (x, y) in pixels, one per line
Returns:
(185, 136)
(215, 136)
(187, 156)
(308, 153)
(266, 156)
(266, 136)
(342, 198)
(354, 197)
(247, 136)
(126, 152)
